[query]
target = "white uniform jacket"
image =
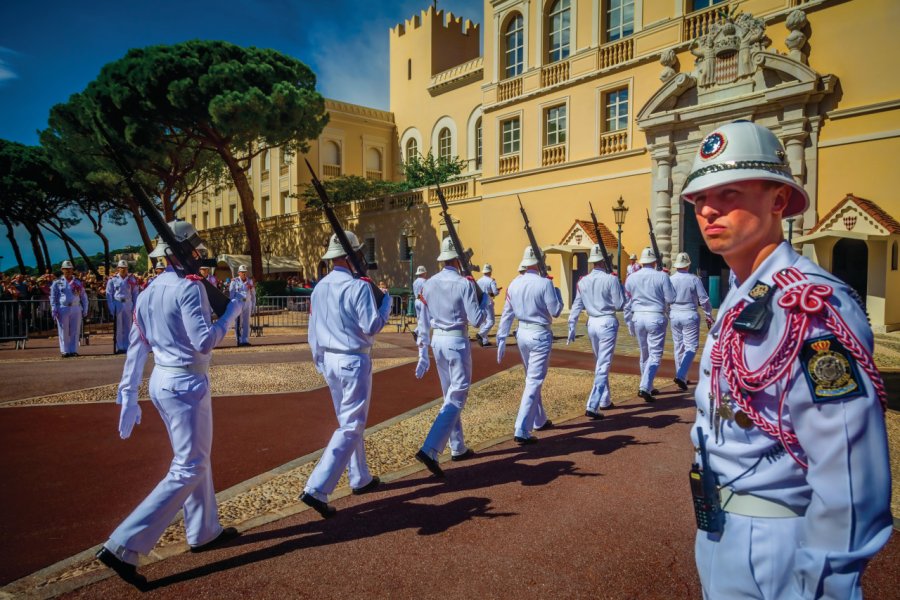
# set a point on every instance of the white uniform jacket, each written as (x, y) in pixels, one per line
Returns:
(66, 293)
(599, 294)
(531, 299)
(689, 293)
(648, 291)
(450, 304)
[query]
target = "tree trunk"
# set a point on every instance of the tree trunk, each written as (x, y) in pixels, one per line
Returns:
(250, 224)
(139, 221)
(43, 242)
(13, 243)
(36, 247)
(106, 261)
(61, 234)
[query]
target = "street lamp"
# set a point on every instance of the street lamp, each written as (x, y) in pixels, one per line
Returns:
(410, 233)
(619, 215)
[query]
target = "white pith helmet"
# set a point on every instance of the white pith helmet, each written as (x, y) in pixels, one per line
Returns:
(528, 257)
(420, 270)
(487, 268)
(743, 151)
(242, 269)
(596, 255)
(202, 267)
(185, 232)
(159, 251)
(522, 267)
(647, 256)
(632, 257)
(448, 250)
(66, 264)
(122, 265)
(335, 250)
(682, 260)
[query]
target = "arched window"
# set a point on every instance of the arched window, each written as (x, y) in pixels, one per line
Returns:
(894, 256)
(266, 161)
(373, 163)
(412, 148)
(445, 145)
(558, 30)
(478, 154)
(515, 46)
(331, 159)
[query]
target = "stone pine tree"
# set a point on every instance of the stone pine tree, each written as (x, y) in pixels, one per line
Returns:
(232, 100)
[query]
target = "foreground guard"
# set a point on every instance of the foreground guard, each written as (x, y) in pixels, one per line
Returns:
(172, 320)
(121, 295)
(689, 293)
(535, 302)
(343, 321)
(790, 406)
(449, 306)
(649, 294)
(600, 295)
(242, 288)
(68, 306)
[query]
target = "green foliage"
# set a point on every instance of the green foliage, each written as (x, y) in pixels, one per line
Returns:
(421, 171)
(349, 188)
(142, 264)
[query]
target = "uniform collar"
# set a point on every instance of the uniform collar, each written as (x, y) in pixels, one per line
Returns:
(449, 268)
(340, 269)
(784, 256)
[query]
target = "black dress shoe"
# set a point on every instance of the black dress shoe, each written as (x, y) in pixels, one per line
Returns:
(681, 383)
(647, 396)
(126, 571)
(469, 453)
(607, 407)
(548, 424)
(228, 534)
(431, 464)
(369, 487)
(593, 415)
(525, 441)
(654, 391)
(323, 508)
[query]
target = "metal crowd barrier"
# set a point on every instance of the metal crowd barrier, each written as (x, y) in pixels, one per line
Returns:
(21, 320)
(293, 311)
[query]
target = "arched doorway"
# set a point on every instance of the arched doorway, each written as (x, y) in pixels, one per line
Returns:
(579, 270)
(850, 263)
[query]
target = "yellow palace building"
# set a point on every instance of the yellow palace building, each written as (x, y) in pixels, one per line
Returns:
(578, 101)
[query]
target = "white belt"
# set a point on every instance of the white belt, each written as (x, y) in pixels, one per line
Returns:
(527, 325)
(448, 332)
(749, 505)
(185, 369)
(649, 312)
(684, 309)
(605, 314)
(357, 351)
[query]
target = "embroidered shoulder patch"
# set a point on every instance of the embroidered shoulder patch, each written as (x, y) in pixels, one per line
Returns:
(830, 370)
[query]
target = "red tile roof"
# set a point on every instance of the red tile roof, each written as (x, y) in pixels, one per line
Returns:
(872, 209)
(609, 238)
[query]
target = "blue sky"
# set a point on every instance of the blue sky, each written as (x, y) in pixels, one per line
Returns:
(52, 49)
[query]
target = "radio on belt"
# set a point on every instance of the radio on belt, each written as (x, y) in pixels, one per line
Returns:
(705, 493)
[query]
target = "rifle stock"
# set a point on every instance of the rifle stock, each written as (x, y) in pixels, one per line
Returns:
(451, 231)
(659, 265)
(606, 259)
(542, 266)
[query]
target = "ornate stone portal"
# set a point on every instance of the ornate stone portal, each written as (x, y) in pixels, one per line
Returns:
(735, 76)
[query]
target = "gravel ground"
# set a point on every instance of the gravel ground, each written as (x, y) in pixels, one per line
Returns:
(224, 380)
(892, 420)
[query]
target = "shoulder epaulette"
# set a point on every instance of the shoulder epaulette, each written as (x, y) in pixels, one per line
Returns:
(193, 277)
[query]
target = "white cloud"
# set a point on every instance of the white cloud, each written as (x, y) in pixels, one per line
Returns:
(353, 68)
(6, 70)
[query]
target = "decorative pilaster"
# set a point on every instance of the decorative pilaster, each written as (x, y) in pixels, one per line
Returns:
(661, 209)
(795, 148)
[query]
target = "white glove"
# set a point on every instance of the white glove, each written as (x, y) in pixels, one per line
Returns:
(424, 362)
(709, 322)
(128, 418)
(631, 329)
(55, 315)
(501, 350)
(571, 337)
(319, 363)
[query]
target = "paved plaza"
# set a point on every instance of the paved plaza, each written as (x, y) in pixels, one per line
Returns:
(596, 509)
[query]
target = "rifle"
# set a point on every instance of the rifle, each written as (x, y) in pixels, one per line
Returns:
(115, 315)
(451, 230)
(357, 260)
(659, 265)
(183, 252)
(606, 259)
(542, 266)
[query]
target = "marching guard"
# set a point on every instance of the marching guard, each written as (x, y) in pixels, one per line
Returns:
(243, 289)
(172, 320)
(689, 293)
(649, 294)
(68, 306)
(449, 306)
(535, 302)
(600, 295)
(121, 294)
(792, 474)
(489, 288)
(343, 322)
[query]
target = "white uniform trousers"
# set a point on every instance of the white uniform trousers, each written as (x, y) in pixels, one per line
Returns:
(68, 324)
(602, 332)
(124, 313)
(242, 324)
(184, 403)
(534, 346)
(686, 339)
(349, 378)
(488, 321)
(453, 358)
(650, 330)
(752, 558)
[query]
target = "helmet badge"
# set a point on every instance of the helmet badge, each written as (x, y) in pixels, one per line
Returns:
(713, 145)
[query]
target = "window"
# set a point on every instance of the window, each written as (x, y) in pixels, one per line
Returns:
(617, 110)
(515, 46)
(559, 30)
(285, 202)
(509, 143)
(412, 148)
(478, 154)
(232, 214)
(369, 249)
(619, 19)
(265, 161)
(894, 256)
(266, 207)
(409, 68)
(331, 153)
(194, 221)
(445, 148)
(218, 217)
(373, 163)
(205, 219)
(701, 4)
(555, 125)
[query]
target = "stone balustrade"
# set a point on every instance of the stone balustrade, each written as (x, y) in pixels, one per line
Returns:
(614, 142)
(331, 170)
(509, 89)
(509, 164)
(616, 53)
(553, 155)
(555, 73)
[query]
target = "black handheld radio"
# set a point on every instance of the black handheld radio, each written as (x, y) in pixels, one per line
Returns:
(705, 492)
